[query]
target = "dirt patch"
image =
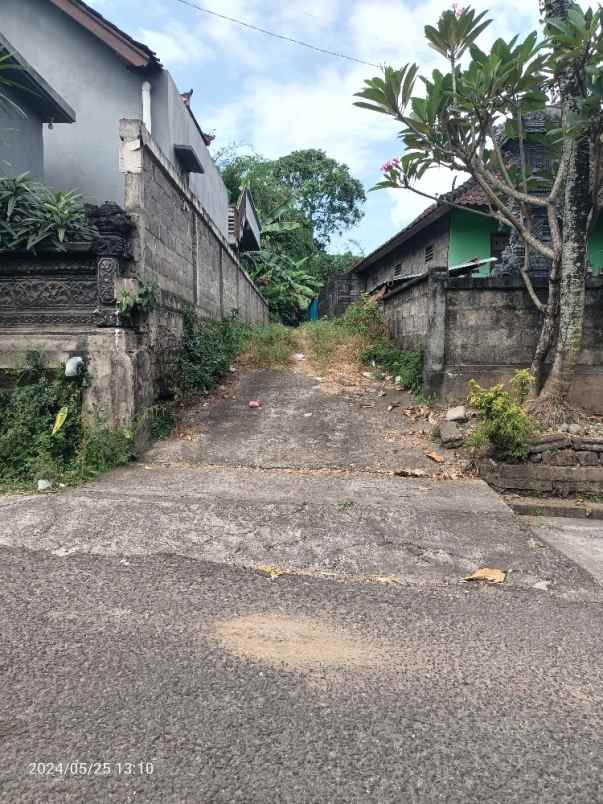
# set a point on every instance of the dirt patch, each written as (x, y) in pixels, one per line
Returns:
(302, 643)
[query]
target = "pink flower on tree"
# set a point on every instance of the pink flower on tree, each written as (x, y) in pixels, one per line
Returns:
(458, 9)
(391, 164)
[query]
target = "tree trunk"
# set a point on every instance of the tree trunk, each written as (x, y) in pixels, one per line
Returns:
(576, 208)
(547, 338)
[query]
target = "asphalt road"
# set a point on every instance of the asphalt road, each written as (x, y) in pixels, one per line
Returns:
(240, 688)
(145, 658)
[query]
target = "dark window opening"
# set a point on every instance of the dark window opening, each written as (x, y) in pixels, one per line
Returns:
(398, 270)
(429, 253)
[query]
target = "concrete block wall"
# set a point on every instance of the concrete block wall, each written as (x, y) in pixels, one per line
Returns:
(492, 329)
(407, 314)
(486, 329)
(176, 242)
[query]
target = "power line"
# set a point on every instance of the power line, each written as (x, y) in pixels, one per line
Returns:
(275, 35)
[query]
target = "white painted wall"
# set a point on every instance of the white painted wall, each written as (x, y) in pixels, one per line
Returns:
(102, 90)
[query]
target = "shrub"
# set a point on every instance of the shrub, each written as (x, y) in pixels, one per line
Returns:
(42, 434)
(365, 318)
(32, 215)
(504, 421)
(269, 346)
(406, 367)
(208, 349)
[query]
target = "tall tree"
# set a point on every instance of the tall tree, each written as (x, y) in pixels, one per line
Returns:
(459, 122)
(302, 199)
(325, 191)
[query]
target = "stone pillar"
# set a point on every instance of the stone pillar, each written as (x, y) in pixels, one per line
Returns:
(435, 341)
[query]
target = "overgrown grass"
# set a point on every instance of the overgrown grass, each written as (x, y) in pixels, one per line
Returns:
(406, 368)
(208, 349)
(268, 346)
(324, 339)
(42, 435)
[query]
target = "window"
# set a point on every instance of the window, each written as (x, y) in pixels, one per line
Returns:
(498, 243)
(398, 270)
(429, 253)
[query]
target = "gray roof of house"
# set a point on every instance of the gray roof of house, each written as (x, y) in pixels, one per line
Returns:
(33, 90)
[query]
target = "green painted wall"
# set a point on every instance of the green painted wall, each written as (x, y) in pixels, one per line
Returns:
(595, 247)
(470, 238)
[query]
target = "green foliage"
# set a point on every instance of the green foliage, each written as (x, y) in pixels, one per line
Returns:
(163, 421)
(405, 367)
(269, 346)
(101, 449)
(29, 450)
(8, 73)
(32, 215)
(505, 424)
(365, 318)
(208, 349)
(145, 301)
(285, 283)
(321, 189)
(303, 200)
(451, 122)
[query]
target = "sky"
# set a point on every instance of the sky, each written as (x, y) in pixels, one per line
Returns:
(274, 97)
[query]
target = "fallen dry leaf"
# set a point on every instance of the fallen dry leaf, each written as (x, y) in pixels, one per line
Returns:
(410, 473)
(270, 570)
(435, 457)
(487, 574)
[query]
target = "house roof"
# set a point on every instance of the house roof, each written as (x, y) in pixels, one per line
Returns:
(134, 53)
(33, 90)
(469, 195)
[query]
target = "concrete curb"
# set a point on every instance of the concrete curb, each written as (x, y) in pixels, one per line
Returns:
(539, 506)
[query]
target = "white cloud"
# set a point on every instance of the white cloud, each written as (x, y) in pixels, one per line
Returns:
(175, 45)
(278, 97)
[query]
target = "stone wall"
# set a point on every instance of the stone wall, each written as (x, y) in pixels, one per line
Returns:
(64, 304)
(341, 291)
(177, 244)
(557, 465)
(485, 329)
(407, 314)
(492, 329)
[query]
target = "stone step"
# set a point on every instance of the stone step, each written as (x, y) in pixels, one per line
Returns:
(551, 506)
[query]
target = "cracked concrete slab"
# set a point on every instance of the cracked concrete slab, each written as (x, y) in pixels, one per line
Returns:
(357, 520)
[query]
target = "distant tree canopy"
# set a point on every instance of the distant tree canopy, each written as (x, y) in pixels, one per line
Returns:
(321, 189)
(303, 200)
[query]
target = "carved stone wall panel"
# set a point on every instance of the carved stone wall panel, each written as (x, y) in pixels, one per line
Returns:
(108, 269)
(43, 292)
(16, 318)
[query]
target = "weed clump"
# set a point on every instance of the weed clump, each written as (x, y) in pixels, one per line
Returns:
(268, 346)
(208, 349)
(42, 434)
(405, 367)
(505, 423)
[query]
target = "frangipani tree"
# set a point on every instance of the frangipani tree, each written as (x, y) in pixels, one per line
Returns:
(463, 114)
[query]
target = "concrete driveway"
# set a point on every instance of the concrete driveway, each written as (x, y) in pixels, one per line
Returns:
(306, 484)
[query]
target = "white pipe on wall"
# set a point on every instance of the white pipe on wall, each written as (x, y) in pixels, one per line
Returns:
(146, 105)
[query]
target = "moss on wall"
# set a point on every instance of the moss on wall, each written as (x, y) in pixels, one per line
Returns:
(470, 238)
